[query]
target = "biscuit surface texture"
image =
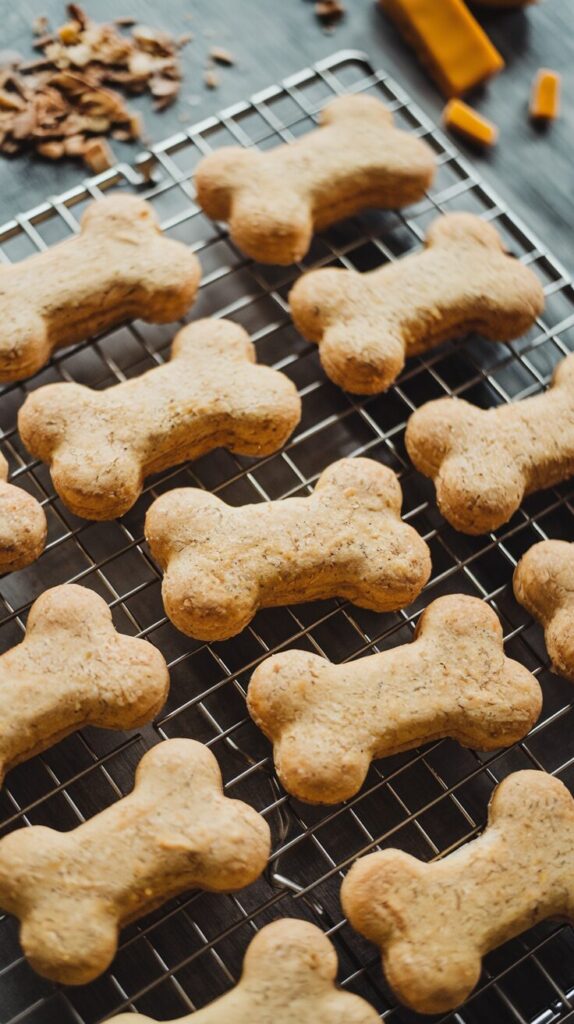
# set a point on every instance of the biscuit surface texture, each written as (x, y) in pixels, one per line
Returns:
(327, 722)
(346, 539)
(365, 324)
(434, 922)
(22, 525)
(484, 462)
(72, 669)
(101, 444)
(274, 200)
(288, 977)
(544, 584)
(176, 830)
(119, 266)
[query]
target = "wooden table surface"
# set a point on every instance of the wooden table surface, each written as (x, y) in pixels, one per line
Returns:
(531, 169)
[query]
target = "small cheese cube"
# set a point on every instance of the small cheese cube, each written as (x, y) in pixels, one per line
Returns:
(545, 99)
(459, 117)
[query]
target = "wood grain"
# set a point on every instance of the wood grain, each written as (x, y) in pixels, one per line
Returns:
(531, 168)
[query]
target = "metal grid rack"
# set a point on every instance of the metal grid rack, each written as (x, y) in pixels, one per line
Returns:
(428, 801)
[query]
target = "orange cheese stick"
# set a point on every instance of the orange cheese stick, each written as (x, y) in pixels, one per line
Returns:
(448, 40)
(461, 118)
(545, 100)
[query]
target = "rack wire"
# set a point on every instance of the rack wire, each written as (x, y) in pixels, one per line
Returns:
(427, 801)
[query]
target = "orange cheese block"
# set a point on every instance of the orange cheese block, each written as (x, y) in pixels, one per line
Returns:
(461, 118)
(545, 99)
(448, 40)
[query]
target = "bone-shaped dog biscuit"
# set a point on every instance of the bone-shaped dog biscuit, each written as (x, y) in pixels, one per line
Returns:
(544, 584)
(72, 891)
(327, 722)
(434, 922)
(365, 324)
(71, 670)
(347, 539)
(119, 266)
(275, 200)
(288, 977)
(484, 462)
(22, 524)
(101, 444)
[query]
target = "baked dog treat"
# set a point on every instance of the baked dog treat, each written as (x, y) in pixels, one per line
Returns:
(544, 584)
(484, 461)
(23, 525)
(327, 722)
(72, 891)
(119, 266)
(434, 922)
(276, 199)
(347, 539)
(73, 669)
(101, 444)
(288, 977)
(365, 324)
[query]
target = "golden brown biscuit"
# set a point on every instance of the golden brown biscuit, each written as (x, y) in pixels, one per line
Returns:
(366, 324)
(73, 669)
(484, 461)
(119, 266)
(434, 922)
(23, 525)
(101, 444)
(327, 722)
(544, 584)
(72, 891)
(346, 539)
(276, 199)
(288, 977)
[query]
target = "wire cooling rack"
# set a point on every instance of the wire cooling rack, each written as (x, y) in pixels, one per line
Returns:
(428, 801)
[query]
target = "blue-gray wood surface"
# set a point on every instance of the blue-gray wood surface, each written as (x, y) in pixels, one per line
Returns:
(531, 169)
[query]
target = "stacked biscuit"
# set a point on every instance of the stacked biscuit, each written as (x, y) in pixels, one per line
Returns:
(346, 539)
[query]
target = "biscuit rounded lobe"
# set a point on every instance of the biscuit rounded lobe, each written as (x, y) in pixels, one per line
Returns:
(484, 462)
(100, 445)
(367, 324)
(544, 584)
(175, 830)
(23, 525)
(288, 977)
(274, 200)
(221, 564)
(71, 670)
(118, 266)
(328, 722)
(434, 922)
